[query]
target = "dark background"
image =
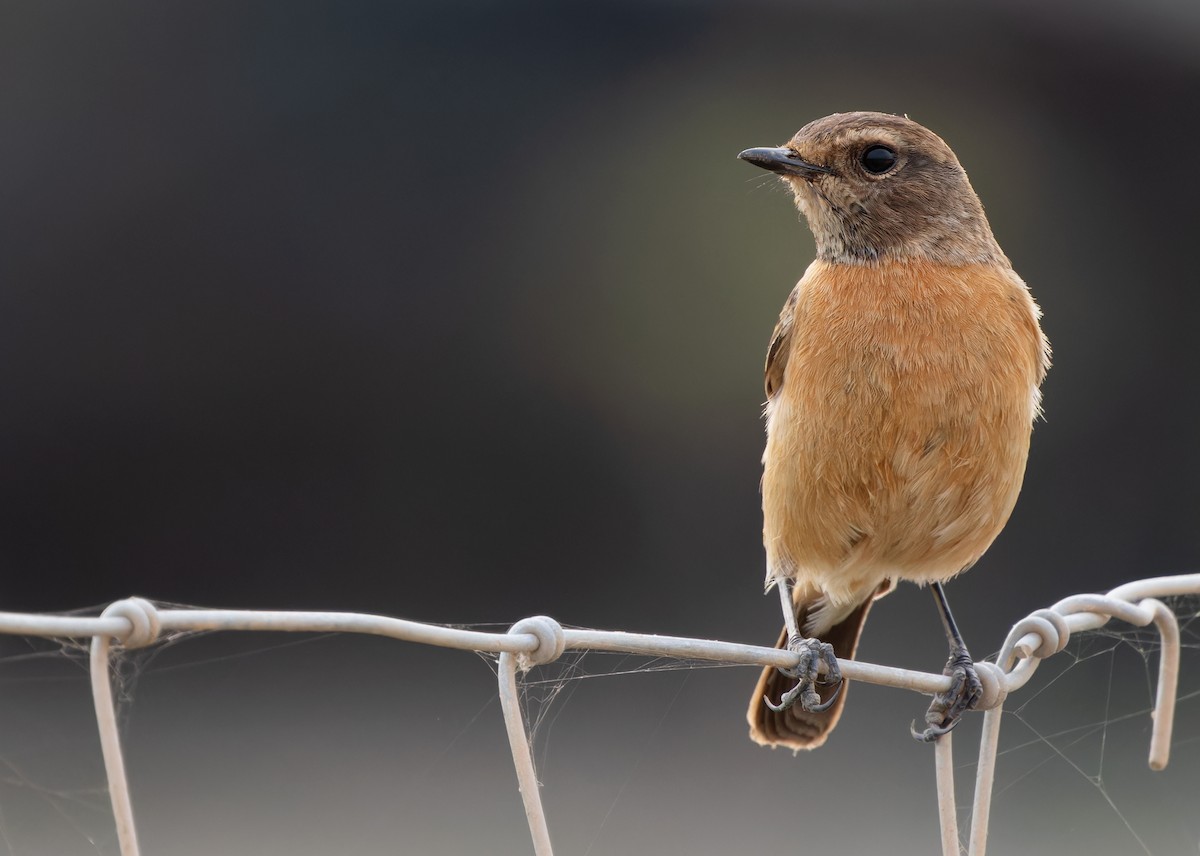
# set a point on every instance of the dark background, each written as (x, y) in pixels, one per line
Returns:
(457, 312)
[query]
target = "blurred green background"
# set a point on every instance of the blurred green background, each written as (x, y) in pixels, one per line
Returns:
(457, 312)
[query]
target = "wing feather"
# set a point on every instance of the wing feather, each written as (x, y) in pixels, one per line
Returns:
(781, 346)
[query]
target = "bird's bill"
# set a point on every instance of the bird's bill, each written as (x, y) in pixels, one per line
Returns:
(783, 162)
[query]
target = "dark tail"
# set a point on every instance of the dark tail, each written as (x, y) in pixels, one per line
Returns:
(795, 727)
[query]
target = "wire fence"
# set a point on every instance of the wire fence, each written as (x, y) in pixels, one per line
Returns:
(137, 623)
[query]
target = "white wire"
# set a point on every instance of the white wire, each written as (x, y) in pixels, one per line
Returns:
(534, 641)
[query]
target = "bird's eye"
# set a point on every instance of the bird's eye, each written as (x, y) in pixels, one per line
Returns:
(878, 159)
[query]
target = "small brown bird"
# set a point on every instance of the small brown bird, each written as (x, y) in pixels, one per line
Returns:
(902, 383)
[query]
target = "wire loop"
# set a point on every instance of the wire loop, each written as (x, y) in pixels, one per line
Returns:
(995, 685)
(144, 623)
(550, 638)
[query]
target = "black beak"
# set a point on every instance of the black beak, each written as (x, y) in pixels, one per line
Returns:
(784, 162)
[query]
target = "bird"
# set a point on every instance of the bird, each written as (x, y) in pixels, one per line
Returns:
(902, 383)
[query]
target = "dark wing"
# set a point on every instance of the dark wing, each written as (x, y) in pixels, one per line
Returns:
(781, 345)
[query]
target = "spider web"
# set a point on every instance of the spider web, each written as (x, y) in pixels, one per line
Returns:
(1071, 774)
(54, 795)
(52, 785)
(546, 691)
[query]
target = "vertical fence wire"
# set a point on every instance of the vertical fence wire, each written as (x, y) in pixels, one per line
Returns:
(943, 758)
(110, 746)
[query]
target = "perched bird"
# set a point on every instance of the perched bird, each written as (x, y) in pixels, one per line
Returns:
(902, 383)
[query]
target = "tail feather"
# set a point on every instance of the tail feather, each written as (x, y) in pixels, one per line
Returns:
(795, 727)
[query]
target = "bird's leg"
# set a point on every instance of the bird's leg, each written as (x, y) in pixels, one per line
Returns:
(965, 688)
(811, 653)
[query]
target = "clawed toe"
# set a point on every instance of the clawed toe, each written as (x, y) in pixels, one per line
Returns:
(811, 652)
(948, 707)
(932, 732)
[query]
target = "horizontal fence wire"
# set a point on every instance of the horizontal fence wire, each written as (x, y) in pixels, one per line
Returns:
(137, 623)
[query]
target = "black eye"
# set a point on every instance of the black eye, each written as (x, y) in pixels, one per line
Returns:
(878, 159)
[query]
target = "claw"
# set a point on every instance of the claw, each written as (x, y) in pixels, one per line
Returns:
(811, 652)
(821, 707)
(948, 707)
(933, 732)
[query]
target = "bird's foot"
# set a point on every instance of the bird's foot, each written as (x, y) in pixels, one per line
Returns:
(949, 706)
(812, 652)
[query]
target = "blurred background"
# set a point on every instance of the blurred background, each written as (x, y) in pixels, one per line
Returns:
(457, 312)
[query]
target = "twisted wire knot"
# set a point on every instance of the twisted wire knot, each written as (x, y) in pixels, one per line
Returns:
(995, 687)
(551, 641)
(1050, 627)
(144, 625)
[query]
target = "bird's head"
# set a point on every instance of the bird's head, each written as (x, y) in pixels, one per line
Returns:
(875, 186)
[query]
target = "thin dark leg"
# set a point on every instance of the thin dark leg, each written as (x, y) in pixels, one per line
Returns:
(952, 635)
(965, 690)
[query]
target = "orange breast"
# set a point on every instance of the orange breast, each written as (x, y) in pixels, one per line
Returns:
(897, 442)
